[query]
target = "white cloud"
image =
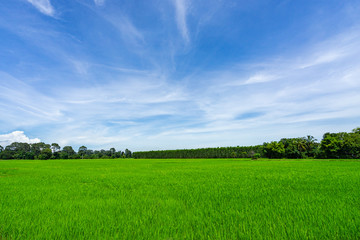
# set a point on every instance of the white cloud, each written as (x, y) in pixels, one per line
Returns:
(99, 2)
(129, 32)
(260, 78)
(20, 101)
(149, 109)
(213, 110)
(325, 91)
(181, 7)
(81, 67)
(16, 136)
(43, 6)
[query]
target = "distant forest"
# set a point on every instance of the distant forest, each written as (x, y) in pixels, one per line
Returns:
(341, 145)
(43, 151)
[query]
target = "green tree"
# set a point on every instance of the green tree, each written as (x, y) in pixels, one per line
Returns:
(356, 130)
(128, 153)
(67, 152)
(89, 153)
(312, 146)
(274, 149)
(45, 154)
(36, 148)
(332, 144)
(19, 147)
(55, 147)
(341, 145)
(256, 156)
(82, 151)
(352, 145)
(112, 152)
(18, 150)
(6, 154)
(291, 148)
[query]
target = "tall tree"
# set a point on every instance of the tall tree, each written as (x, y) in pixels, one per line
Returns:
(128, 153)
(356, 130)
(45, 154)
(82, 151)
(19, 147)
(274, 149)
(112, 151)
(55, 147)
(18, 150)
(332, 144)
(36, 148)
(67, 152)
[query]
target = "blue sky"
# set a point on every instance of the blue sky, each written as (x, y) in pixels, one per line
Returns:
(172, 74)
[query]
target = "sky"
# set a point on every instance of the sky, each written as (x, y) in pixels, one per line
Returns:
(174, 74)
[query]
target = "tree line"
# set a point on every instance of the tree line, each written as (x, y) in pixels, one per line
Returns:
(43, 151)
(342, 145)
(219, 152)
(333, 146)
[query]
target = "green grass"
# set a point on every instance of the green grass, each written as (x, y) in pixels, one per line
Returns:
(179, 199)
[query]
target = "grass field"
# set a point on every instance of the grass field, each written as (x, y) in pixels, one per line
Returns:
(179, 199)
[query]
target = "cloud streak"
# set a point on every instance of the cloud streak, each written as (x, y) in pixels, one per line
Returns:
(21, 101)
(128, 82)
(181, 7)
(147, 108)
(99, 2)
(44, 6)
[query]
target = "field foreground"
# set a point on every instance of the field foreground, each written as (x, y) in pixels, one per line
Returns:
(179, 199)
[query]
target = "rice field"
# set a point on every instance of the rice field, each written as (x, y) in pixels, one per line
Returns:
(180, 199)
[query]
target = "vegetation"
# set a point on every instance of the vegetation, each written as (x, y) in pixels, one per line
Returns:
(341, 145)
(333, 145)
(43, 151)
(220, 152)
(179, 199)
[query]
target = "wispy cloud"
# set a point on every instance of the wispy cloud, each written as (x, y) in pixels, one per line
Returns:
(240, 100)
(16, 136)
(99, 2)
(181, 7)
(130, 34)
(20, 101)
(44, 6)
(127, 81)
(281, 90)
(260, 78)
